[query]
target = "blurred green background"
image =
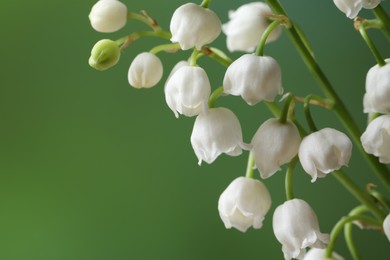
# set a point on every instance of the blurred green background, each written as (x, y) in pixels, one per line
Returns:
(93, 169)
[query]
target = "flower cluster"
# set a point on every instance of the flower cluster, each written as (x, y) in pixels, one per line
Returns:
(256, 78)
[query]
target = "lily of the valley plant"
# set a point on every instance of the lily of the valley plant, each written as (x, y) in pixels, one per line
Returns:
(280, 142)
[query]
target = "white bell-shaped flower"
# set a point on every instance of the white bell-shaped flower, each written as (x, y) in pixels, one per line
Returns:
(376, 99)
(371, 4)
(145, 71)
(273, 145)
(194, 26)
(324, 151)
(108, 16)
(376, 138)
(177, 66)
(187, 91)
(319, 254)
(246, 26)
(386, 226)
(351, 8)
(216, 131)
(244, 203)
(254, 78)
(296, 227)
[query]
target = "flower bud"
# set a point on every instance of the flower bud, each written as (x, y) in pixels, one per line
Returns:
(216, 131)
(320, 254)
(254, 78)
(108, 16)
(324, 151)
(246, 26)
(386, 226)
(105, 54)
(296, 227)
(145, 71)
(194, 26)
(273, 145)
(244, 203)
(187, 91)
(350, 7)
(376, 99)
(376, 138)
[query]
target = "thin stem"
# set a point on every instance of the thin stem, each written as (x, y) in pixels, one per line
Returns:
(217, 55)
(289, 179)
(205, 3)
(370, 44)
(250, 165)
(214, 96)
(285, 111)
(309, 118)
(339, 227)
(349, 241)
(362, 197)
(194, 57)
(171, 47)
(384, 18)
(345, 117)
(129, 39)
(142, 18)
(264, 36)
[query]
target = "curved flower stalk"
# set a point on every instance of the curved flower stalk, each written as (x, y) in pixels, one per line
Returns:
(376, 138)
(108, 16)
(194, 26)
(377, 96)
(324, 151)
(244, 203)
(246, 26)
(296, 227)
(216, 131)
(274, 144)
(319, 254)
(145, 71)
(254, 78)
(187, 91)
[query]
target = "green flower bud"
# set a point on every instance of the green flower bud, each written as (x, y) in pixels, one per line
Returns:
(104, 55)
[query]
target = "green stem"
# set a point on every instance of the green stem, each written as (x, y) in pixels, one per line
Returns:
(285, 111)
(345, 117)
(214, 96)
(379, 59)
(205, 3)
(250, 165)
(289, 179)
(340, 226)
(264, 36)
(384, 18)
(171, 47)
(194, 57)
(141, 18)
(309, 118)
(129, 39)
(349, 241)
(217, 55)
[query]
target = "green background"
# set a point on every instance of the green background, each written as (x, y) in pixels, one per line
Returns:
(93, 169)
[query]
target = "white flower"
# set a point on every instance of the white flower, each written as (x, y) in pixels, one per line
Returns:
(273, 145)
(386, 226)
(376, 138)
(187, 91)
(351, 8)
(108, 16)
(319, 254)
(244, 203)
(145, 71)
(177, 66)
(254, 78)
(246, 26)
(376, 99)
(216, 131)
(324, 151)
(296, 227)
(194, 26)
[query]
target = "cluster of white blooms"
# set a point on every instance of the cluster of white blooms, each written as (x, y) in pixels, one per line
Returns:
(351, 8)
(217, 130)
